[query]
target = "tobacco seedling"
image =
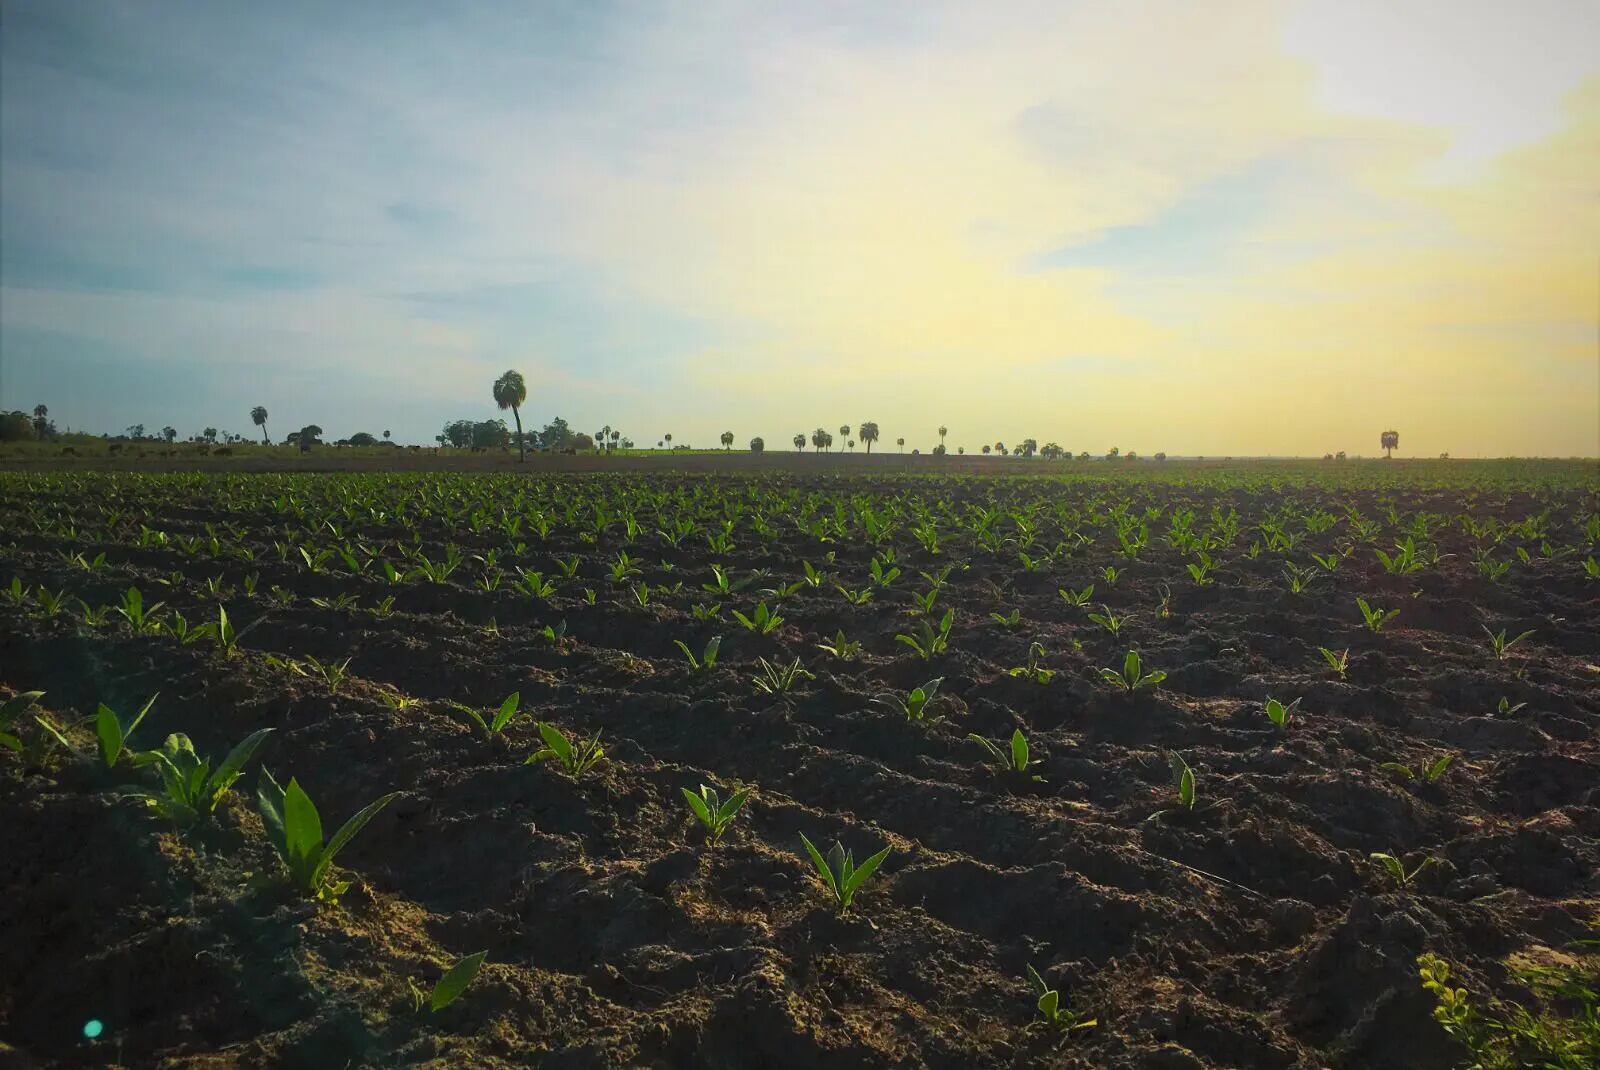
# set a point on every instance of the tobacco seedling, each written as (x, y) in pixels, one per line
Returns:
(763, 621)
(1500, 644)
(839, 873)
(1110, 623)
(842, 648)
(708, 660)
(1505, 707)
(1007, 620)
(1427, 772)
(295, 829)
(929, 642)
(11, 712)
(1397, 869)
(190, 790)
(1340, 663)
(449, 987)
(1375, 618)
(1182, 780)
(1034, 670)
(113, 734)
(1080, 599)
(1048, 1002)
(712, 811)
(503, 716)
(332, 673)
(915, 703)
(779, 679)
(1132, 676)
(140, 617)
(575, 759)
(855, 598)
(1279, 714)
(1012, 760)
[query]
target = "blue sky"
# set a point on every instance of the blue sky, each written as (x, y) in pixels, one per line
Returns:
(770, 217)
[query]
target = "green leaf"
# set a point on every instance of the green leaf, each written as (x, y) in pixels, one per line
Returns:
(455, 980)
(508, 710)
(269, 800)
(862, 872)
(233, 765)
(1049, 1004)
(823, 869)
(1019, 751)
(302, 827)
(347, 832)
(109, 731)
(697, 805)
(555, 741)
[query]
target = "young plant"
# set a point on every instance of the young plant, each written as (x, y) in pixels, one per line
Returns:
(842, 648)
(1340, 662)
(1080, 599)
(1279, 714)
(914, 704)
(332, 673)
(113, 734)
(190, 790)
(763, 621)
(839, 873)
(712, 811)
(707, 660)
(492, 726)
(140, 617)
(295, 829)
(1182, 781)
(1048, 1002)
(1012, 760)
(1034, 670)
(11, 712)
(448, 988)
(1007, 620)
(1428, 772)
(1110, 623)
(1375, 618)
(855, 598)
(1500, 644)
(780, 679)
(1132, 676)
(575, 759)
(929, 642)
(1397, 871)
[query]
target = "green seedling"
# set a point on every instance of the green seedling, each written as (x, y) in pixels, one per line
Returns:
(113, 734)
(1132, 676)
(1012, 760)
(492, 726)
(140, 618)
(1182, 781)
(332, 673)
(1505, 707)
(1375, 618)
(842, 648)
(295, 829)
(575, 759)
(1048, 1002)
(779, 679)
(855, 598)
(712, 811)
(708, 660)
(11, 712)
(763, 621)
(839, 873)
(1279, 714)
(1007, 620)
(1079, 599)
(929, 641)
(1034, 670)
(1110, 623)
(1501, 645)
(1396, 869)
(190, 790)
(1428, 772)
(1340, 663)
(915, 704)
(448, 988)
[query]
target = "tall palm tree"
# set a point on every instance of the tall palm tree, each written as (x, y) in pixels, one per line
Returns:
(1390, 441)
(901, 442)
(615, 437)
(818, 437)
(727, 440)
(668, 439)
(800, 442)
(844, 431)
(258, 416)
(943, 431)
(509, 393)
(869, 434)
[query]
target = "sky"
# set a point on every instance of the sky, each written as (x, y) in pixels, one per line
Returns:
(1231, 228)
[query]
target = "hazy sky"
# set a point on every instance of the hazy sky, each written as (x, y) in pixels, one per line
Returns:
(1241, 227)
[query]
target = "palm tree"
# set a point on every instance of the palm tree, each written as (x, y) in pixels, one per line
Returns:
(818, 437)
(668, 439)
(258, 416)
(210, 434)
(509, 393)
(943, 430)
(987, 448)
(852, 445)
(727, 440)
(169, 433)
(901, 442)
(800, 442)
(1390, 441)
(869, 434)
(1113, 453)
(386, 433)
(1029, 447)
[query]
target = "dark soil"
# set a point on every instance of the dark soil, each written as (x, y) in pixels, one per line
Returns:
(1254, 931)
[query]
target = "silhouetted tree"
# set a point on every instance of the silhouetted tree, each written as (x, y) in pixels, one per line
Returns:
(509, 393)
(258, 416)
(869, 434)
